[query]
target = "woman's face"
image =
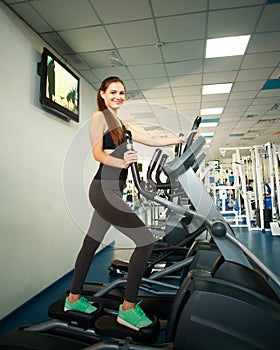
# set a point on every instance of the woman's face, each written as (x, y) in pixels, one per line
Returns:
(114, 96)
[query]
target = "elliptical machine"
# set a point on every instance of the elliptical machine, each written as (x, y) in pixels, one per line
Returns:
(233, 306)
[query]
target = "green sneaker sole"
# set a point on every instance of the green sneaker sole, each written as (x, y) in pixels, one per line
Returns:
(124, 323)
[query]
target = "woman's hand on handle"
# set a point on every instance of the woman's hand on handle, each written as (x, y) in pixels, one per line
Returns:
(129, 158)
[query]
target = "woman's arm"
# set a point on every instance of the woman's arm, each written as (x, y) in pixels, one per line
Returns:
(97, 127)
(155, 141)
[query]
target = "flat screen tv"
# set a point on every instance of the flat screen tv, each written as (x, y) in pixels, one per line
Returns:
(59, 87)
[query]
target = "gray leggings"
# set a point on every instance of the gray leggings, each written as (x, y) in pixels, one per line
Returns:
(110, 209)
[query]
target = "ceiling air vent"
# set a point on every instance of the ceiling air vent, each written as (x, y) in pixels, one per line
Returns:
(249, 116)
(266, 121)
(253, 131)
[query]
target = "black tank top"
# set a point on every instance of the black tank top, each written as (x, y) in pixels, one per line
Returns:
(106, 172)
(108, 141)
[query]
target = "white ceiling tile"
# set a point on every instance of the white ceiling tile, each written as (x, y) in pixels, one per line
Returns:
(270, 19)
(88, 75)
(102, 73)
(266, 102)
(164, 101)
(188, 99)
(229, 117)
(66, 14)
(184, 67)
(215, 98)
(232, 22)
(140, 55)
(243, 94)
(213, 104)
(264, 42)
(226, 124)
(182, 51)
(56, 42)
(122, 11)
(10, 1)
(187, 90)
(275, 113)
(75, 61)
(30, 16)
(261, 60)
(157, 93)
(87, 39)
(259, 109)
(174, 7)
(221, 77)
(130, 85)
(239, 102)
(268, 93)
(141, 107)
(271, 116)
(222, 64)
(235, 109)
(97, 59)
(254, 74)
(219, 4)
(248, 85)
(152, 83)
(188, 104)
(181, 28)
(146, 71)
(133, 33)
(185, 80)
(189, 109)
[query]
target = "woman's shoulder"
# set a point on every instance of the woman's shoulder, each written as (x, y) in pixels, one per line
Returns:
(98, 115)
(97, 122)
(98, 118)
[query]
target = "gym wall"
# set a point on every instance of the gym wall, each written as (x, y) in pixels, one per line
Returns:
(39, 238)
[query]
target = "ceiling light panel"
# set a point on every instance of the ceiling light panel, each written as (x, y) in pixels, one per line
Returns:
(208, 125)
(229, 46)
(211, 111)
(216, 89)
(207, 134)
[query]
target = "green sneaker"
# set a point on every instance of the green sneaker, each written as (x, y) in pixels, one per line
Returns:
(134, 318)
(81, 305)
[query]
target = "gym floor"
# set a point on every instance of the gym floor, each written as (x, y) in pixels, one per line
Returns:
(265, 246)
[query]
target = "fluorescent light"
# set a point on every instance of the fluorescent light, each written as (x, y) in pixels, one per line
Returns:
(206, 134)
(211, 111)
(216, 89)
(229, 46)
(208, 125)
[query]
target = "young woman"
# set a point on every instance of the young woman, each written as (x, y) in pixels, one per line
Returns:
(105, 194)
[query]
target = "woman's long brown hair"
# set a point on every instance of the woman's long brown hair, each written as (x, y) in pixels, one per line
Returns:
(114, 127)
